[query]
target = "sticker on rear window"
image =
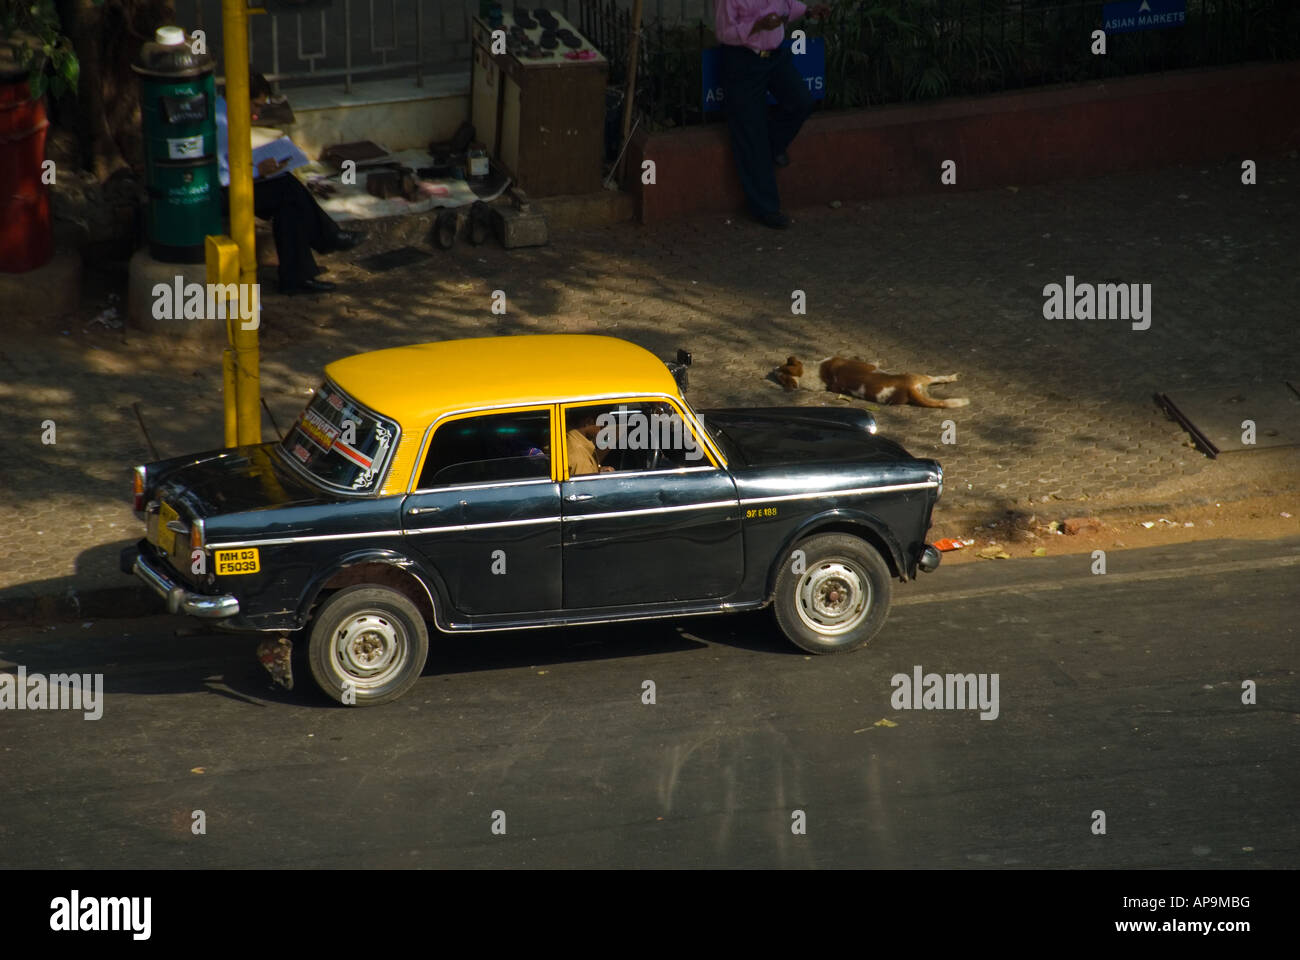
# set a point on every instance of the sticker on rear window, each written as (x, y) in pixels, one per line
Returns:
(317, 429)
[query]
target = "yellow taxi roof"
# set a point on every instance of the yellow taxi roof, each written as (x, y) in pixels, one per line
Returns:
(416, 384)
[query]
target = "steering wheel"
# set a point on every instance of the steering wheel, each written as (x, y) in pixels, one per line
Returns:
(656, 459)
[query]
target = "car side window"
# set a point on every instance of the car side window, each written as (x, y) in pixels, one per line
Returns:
(490, 448)
(629, 436)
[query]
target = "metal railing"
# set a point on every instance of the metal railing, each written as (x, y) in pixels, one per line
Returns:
(877, 51)
(378, 38)
(892, 51)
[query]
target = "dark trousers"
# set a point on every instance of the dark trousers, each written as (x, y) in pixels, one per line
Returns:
(298, 224)
(757, 135)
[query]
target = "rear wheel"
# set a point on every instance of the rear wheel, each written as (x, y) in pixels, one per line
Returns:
(368, 645)
(832, 594)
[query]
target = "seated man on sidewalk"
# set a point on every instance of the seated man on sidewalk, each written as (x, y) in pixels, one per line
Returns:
(754, 62)
(298, 223)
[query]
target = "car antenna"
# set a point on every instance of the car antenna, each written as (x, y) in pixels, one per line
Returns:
(272, 416)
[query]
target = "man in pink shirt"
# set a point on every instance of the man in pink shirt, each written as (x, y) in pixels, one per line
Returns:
(753, 63)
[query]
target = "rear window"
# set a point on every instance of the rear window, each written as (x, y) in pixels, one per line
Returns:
(339, 442)
(488, 449)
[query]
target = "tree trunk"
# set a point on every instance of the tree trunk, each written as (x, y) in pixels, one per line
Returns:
(106, 113)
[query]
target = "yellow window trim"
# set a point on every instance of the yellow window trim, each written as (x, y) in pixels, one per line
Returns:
(716, 459)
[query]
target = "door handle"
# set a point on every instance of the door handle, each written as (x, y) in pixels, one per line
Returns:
(415, 510)
(578, 497)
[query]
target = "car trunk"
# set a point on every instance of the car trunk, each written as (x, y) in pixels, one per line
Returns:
(801, 435)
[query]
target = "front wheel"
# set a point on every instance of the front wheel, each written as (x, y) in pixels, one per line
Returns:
(832, 594)
(368, 645)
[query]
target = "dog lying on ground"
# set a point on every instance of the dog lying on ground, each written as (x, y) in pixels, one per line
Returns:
(857, 378)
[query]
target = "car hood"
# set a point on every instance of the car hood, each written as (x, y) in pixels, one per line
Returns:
(782, 435)
(233, 481)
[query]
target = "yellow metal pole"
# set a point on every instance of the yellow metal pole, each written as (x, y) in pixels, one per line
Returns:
(228, 382)
(222, 258)
(234, 22)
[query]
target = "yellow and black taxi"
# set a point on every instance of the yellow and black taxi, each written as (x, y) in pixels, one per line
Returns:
(513, 482)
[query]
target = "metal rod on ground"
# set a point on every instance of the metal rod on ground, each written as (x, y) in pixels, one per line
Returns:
(633, 48)
(147, 439)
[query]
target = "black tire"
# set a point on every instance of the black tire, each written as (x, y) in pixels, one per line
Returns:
(371, 638)
(839, 600)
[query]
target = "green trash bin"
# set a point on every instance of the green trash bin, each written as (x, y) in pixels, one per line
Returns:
(178, 112)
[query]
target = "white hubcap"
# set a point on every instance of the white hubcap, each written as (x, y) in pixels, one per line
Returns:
(833, 596)
(369, 648)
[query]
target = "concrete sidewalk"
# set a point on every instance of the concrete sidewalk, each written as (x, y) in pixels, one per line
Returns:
(1061, 420)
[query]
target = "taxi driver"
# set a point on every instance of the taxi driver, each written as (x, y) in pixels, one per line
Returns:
(584, 455)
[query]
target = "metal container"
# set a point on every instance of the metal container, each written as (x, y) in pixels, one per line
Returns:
(26, 231)
(178, 114)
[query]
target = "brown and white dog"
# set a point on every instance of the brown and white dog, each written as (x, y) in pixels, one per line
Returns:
(857, 378)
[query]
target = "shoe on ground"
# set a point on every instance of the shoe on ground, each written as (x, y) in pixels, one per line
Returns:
(775, 219)
(782, 159)
(346, 240)
(311, 287)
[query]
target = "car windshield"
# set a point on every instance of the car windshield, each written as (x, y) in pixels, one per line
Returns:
(340, 443)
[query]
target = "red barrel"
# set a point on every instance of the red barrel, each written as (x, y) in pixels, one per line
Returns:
(26, 234)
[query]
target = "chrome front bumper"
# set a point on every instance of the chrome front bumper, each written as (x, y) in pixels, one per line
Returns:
(180, 600)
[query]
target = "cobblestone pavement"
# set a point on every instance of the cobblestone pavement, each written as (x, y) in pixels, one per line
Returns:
(1061, 418)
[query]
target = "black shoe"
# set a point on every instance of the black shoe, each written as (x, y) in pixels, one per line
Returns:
(310, 286)
(776, 220)
(782, 159)
(345, 240)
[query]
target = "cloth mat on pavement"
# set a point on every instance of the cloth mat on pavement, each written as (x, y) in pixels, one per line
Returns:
(353, 202)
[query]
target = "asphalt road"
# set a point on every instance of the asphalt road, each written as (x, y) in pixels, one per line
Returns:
(1119, 692)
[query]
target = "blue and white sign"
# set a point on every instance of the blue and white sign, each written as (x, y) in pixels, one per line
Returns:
(1129, 15)
(811, 65)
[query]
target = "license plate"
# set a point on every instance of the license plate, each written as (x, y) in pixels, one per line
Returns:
(232, 563)
(161, 536)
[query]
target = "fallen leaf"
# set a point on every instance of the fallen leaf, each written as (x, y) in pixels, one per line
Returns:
(1040, 552)
(198, 770)
(884, 722)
